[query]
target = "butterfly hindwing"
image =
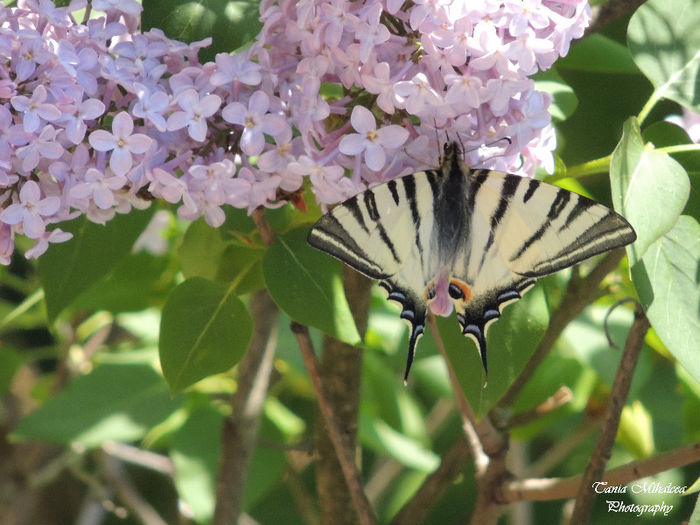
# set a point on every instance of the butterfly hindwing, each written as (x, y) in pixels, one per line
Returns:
(482, 237)
(522, 229)
(385, 233)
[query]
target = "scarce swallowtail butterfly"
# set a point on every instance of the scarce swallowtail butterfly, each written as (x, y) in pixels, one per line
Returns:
(475, 238)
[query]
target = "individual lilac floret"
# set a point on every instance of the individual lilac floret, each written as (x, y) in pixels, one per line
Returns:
(31, 210)
(122, 142)
(256, 121)
(370, 140)
(194, 114)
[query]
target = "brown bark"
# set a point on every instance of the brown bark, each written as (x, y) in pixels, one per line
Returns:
(341, 372)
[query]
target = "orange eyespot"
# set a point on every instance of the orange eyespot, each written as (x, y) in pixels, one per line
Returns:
(459, 290)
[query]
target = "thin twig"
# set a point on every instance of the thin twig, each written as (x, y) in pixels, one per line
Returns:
(132, 499)
(562, 448)
(263, 226)
(140, 457)
(483, 438)
(557, 400)
(578, 295)
(387, 470)
(417, 508)
(603, 447)
(562, 488)
(240, 430)
(343, 449)
(487, 444)
(465, 409)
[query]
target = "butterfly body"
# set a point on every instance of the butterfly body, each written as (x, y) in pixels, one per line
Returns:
(472, 240)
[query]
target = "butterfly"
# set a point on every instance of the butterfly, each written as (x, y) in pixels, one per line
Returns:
(472, 239)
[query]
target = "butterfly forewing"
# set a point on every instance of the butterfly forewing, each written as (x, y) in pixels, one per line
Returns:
(492, 233)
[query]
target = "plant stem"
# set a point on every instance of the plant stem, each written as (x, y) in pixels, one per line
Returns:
(578, 171)
(341, 374)
(240, 430)
(644, 113)
(343, 447)
(606, 438)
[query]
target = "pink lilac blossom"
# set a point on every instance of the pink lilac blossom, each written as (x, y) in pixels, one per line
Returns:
(337, 94)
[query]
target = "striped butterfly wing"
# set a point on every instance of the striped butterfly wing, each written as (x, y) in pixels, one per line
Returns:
(385, 233)
(486, 235)
(522, 229)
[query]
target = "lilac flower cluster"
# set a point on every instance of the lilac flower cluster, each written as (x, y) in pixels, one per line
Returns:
(97, 117)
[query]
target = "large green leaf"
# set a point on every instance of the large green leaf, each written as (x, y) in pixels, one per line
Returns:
(201, 250)
(307, 285)
(648, 187)
(67, 269)
(114, 402)
(511, 341)
(231, 24)
(695, 516)
(668, 285)
(134, 284)
(664, 40)
(205, 330)
(600, 54)
(564, 100)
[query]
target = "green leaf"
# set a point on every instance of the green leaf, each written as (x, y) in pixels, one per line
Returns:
(205, 330)
(133, 285)
(511, 341)
(667, 282)
(195, 453)
(231, 24)
(380, 437)
(67, 269)
(243, 261)
(307, 285)
(664, 40)
(642, 178)
(695, 487)
(114, 402)
(695, 516)
(384, 396)
(564, 99)
(201, 250)
(664, 133)
(600, 54)
(10, 362)
(636, 432)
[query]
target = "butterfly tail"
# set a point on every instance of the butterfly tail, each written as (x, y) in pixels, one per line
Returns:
(416, 332)
(478, 334)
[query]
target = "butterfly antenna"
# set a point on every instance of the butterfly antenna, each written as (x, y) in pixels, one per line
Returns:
(489, 144)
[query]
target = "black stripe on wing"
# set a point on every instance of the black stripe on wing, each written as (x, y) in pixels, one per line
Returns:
(510, 186)
(567, 213)
(609, 232)
(373, 212)
(330, 236)
(555, 209)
